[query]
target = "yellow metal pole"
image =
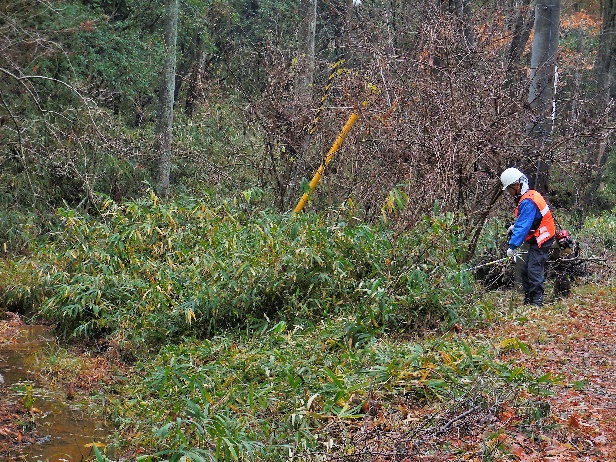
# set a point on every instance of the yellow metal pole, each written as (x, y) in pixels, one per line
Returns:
(328, 158)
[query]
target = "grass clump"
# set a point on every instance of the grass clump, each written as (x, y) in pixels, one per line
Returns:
(21, 289)
(148, 272)
(289, 389)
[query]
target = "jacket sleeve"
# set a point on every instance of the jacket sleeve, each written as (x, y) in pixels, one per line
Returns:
(527, 210)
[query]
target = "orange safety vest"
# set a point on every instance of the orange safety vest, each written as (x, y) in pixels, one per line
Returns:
(546, 228)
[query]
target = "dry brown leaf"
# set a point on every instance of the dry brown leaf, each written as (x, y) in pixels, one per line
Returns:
(574, 422)
(518, 451)
(556, 449)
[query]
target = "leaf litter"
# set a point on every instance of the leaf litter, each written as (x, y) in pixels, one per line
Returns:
(573, 341)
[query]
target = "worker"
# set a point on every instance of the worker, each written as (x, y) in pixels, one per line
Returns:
(534, 225)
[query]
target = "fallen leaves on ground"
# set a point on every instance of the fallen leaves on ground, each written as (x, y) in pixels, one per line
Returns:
(573, 340)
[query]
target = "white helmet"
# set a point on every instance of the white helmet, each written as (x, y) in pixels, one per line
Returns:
(510, 176)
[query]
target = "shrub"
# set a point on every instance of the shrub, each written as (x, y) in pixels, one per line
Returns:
(21, 289)
(599, 231)
(148, 272)
(17, 230)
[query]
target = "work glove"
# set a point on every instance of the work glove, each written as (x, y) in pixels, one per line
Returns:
(510, 230)
(511, 253)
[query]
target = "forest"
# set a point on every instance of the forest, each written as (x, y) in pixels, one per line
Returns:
(274, 229)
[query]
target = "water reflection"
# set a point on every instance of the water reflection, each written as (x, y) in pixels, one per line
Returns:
(64, 431)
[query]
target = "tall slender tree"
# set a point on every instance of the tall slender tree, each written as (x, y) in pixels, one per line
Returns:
(543, 80)
(307, 49)
(521, 32)
(462, 9)
(166, 98)
(303, 85)
(605, 69)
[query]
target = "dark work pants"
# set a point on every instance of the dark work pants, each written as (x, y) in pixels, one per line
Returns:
(533, 272)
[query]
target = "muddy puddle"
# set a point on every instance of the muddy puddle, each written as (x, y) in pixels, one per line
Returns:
(63, 429)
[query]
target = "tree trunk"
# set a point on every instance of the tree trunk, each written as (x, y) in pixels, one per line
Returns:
(303, 93)
(521, 32)
(166, 98)
(604, 64)
(543, 67)
(307, 47)
(195, 84)
(542, 91)
(606, 73)
(462, 9)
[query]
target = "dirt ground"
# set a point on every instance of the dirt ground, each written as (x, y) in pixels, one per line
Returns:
(575, 341)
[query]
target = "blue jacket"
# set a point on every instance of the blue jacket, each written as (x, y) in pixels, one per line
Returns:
(528, 212)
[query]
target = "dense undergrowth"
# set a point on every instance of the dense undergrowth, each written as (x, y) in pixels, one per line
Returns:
(275, 393)
(255, 335)
(145, 273)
